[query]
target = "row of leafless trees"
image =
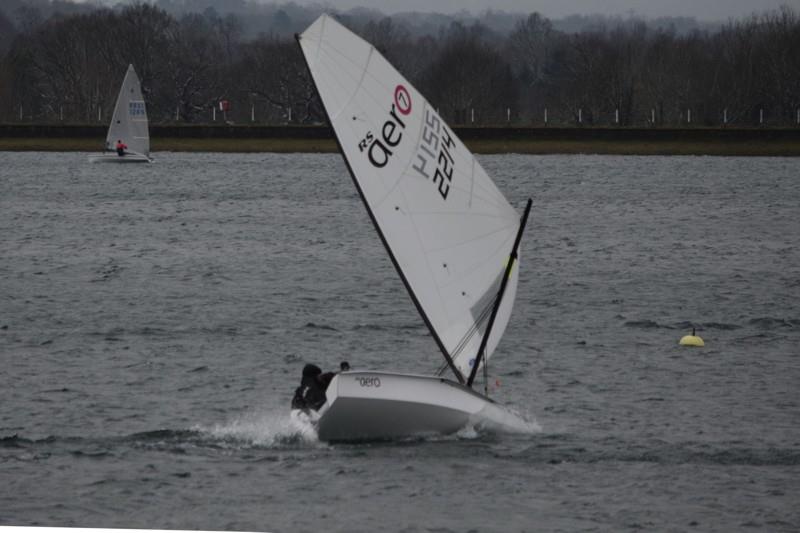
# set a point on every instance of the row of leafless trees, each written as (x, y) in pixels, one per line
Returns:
(748, 72)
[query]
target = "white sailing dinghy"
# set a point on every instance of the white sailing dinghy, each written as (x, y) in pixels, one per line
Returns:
(449, 231)
(128, 124)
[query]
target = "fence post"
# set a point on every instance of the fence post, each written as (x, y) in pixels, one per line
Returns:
(214, 113)
(725, 116)
(616, 116)
(20, 112)
(508, 114)
(688, 116)
(61, 113)
(472, 115)
(580, 116)
(761, 116)
(545, 116)
(252, 112)
(99, 119)
(653, 116)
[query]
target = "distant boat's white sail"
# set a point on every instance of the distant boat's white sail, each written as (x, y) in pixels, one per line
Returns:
(446, 225)
(129, 122)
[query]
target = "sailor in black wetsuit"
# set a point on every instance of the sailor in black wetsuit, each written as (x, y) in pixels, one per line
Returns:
(311, 392)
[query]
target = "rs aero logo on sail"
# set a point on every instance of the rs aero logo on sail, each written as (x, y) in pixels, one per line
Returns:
(379, 147)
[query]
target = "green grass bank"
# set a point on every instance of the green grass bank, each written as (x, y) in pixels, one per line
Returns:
(485, 140)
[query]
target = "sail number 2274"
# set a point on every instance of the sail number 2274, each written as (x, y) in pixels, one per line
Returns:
(435, 147)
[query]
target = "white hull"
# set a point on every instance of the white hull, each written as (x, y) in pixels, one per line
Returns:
(382, 405)
(114, 158)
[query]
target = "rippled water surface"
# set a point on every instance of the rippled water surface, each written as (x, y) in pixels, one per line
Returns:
(154, 320)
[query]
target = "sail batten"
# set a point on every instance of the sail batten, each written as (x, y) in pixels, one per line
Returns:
(447, 227)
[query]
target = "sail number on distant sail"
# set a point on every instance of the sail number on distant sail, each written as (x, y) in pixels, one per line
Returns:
(136, 109)
(435, 137)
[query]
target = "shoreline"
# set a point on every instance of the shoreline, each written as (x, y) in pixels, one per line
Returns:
(483, 140)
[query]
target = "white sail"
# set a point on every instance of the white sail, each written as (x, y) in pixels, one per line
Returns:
(129, 122)
(447, 227)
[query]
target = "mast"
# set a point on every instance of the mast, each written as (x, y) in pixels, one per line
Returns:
(410, 291)
(511, 260)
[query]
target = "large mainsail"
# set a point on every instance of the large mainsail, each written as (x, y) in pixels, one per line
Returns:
(447, 227)
(129, 122)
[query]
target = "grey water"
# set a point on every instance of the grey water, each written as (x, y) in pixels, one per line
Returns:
(154, 320)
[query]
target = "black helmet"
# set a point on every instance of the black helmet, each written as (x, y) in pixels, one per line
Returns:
(311, 370)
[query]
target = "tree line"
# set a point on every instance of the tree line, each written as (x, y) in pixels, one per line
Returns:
(68, 68)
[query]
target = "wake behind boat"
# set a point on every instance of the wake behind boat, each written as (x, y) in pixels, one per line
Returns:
(128, 138)
(451, 234)
(129, 157)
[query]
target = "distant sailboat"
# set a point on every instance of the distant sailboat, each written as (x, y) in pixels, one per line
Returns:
(128, 124)
(449, 231)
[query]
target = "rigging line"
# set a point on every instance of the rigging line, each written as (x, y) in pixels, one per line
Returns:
(504, 282)
(486, 377)
(462, 344)
(475, 328)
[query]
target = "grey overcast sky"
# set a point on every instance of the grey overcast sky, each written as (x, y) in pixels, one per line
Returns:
(711, 10)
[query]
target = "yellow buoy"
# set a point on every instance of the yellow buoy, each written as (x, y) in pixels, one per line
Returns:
(691, 340)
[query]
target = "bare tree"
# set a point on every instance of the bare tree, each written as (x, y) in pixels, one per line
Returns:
(58, 58)
(469, 77)
(530, 51)
(193, 69)
(273, 70)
